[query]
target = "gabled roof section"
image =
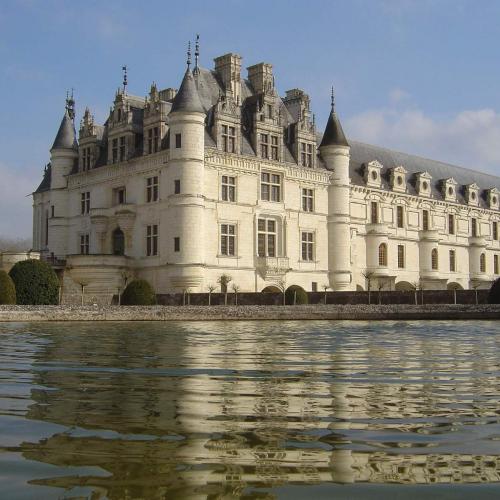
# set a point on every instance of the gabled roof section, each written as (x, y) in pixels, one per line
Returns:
(66, 135)
(334, 135)
(187, 100)
(45, 184)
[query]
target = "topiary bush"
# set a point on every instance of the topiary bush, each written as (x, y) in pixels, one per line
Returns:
(297, 294)
(138, 293)
(494, 293)
(36, 283)
(7, 289)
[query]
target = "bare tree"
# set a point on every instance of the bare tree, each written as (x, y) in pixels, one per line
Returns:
(475, 287)
(381, 285)
(186, 295)
(325, 288)
(281, 284)
(236, 289)
(224, 281)
(416, 286)
(211, 289)
(368, 275)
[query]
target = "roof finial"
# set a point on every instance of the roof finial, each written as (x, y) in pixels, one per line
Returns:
(125, 81)
(70, 104)
(333, 100)
(189, 55)
(196, 53)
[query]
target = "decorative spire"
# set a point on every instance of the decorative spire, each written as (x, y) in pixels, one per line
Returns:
(196, 55)
(333, 135)
(125, 80)
(333, 100)
(70, 104)
(189, 56)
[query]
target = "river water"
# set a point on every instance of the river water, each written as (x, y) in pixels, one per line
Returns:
(253, 410)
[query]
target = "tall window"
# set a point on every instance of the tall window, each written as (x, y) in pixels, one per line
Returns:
(434, 259)
(270, 187)
(401, 256)
(228, 188)
(122, 148)
(451, 224)
(307, 200)
(306, 155)
(85, 203)
(84, 244)
(114, 150)
(307, 241)
(178, 141)
(153, 140)
(177, 244)
(453, 261)
(152, 189)
(495, 264)
(382, 255)
(228, 139)
(494, 230)
(86, 159)
(425, 220)
(177, 186)
(399, 215)
(264, 145)
(266, 237)
(152, 240)
(482, 263)
(473, 227)
(274, 148)
(227, 239)
(374, 212)
(119, 196)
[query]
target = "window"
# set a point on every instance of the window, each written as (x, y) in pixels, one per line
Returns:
(114, 150)
(269, 111)
(178, 140)
(453, 261)
(307, 200)
(382, 255)
(266, 238)
(228, 139)
(270, 187)
(314, 286)
(122, 148)
(177, 244)
(119, 195)
(152, 189)
(86, 159)
(264, 145)
(84, 244)
(494, 230)
(177, 186)
(156, 139)
(52, 211)
(434, 259)
(274, 147)
(306, 157)
(152, 240)
(401, 256)
(227, 239)
(425, 220)
(228, 188)
(495, 264)
(451, 224)
(399, 216)
(85, 203)
(374, 212)
(473, 227)
(307, 241)
(482, 263)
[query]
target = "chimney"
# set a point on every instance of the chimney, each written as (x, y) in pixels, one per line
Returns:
(228, 68)
(261, 77)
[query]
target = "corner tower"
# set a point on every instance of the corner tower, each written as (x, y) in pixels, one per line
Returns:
(186, 175)
(335, 151)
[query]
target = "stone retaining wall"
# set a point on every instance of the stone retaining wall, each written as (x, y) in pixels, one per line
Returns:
(204, 313)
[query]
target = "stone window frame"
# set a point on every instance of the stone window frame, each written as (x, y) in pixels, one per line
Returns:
(228, 239)
(482, 262)
(152, 238)
(401, 257)
(228, 190)
(307, 199)
(84, 239)
(272, 186)
(453, 260)
(153, 189)
(400, 216)
(85, 203)
(434, 259)
(307, 245)
(228, 137)
(382, 255)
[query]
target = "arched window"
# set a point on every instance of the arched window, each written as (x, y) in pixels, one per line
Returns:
(482, 263)
(434, 259)
(118, 242)
(382, 255)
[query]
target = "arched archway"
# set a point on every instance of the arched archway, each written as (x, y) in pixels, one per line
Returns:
(271, 289)
(404, 286)
(118, 242)
(453, 285)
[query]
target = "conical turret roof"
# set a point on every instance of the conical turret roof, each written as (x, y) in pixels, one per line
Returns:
(66, 135)
(187, 100)
(334, 135)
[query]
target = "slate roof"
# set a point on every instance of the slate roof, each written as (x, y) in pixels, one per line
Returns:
(187, 99)
(66, 135)
(334, 135)
(45, 184)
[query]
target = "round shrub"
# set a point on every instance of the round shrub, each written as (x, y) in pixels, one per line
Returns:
(494, 293)
(7, 289)
(138, 293)
(36, 283)
(296, 295)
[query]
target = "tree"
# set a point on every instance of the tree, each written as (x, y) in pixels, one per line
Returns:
(236, 289)
(224, 281)
(139, 293)
(494, 293)
(475, 287)
(325, 288)
(36, 283)
(381, 285)
(281, 284)
(211, 289)
(7, 289)
(368, 275)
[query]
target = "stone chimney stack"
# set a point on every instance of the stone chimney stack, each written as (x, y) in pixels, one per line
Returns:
(228, 67)
(261, 77)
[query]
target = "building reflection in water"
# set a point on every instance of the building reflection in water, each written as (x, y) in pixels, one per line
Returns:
(213, 410)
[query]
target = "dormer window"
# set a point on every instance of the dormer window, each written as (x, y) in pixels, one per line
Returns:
(450, 189)
(423, 184)
(86, 158)
(372, 173)
(472, 194)
(306, 154)
(119, 117)
(398, 179)
(228, 139)
(493, 198)
(153, 139)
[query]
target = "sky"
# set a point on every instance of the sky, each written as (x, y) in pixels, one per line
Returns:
(420, 76)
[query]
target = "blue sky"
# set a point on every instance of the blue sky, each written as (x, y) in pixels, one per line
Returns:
(420, 76)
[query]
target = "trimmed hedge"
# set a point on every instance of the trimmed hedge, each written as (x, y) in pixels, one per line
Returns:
(36, 283)
(138, 293)
(494, 293)
(296, 295)
(7, 289)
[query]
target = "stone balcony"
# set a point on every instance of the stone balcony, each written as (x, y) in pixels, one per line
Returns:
(429, 235)
(377, 229)
(272, 267)
(477, 241)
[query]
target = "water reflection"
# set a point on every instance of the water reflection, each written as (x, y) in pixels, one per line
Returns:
(225, 410)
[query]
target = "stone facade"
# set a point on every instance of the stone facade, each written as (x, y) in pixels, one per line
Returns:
(226, 177)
